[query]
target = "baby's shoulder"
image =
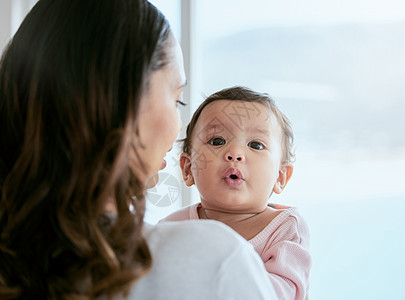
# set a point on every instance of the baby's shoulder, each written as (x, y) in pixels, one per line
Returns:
(289, 218)
(282, 213)
(287, 224)
(185, 213)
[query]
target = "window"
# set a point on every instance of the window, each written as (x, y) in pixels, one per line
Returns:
(336, 69)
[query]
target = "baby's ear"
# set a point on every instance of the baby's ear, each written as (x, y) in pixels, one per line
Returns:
(185, 165)
(284, 175)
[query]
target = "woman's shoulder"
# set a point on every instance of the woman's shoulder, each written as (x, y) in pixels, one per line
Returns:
(200, 260)
(193, 232)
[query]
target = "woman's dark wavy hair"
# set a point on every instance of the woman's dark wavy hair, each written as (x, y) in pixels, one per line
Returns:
(71, 81)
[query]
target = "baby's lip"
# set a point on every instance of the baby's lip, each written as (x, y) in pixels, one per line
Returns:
(235, 173)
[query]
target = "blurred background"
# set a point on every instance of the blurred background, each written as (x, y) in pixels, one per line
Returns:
(337, 70)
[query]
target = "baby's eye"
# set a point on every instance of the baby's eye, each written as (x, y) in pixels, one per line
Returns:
(217, 141)
(256, 145)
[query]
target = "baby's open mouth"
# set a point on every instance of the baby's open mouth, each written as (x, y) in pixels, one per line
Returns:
(233, 173)
(233, 177)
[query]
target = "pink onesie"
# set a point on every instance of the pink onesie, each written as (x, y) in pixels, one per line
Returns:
(283, 245)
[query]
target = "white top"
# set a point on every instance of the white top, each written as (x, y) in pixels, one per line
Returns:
(283, 246)
(201, 260)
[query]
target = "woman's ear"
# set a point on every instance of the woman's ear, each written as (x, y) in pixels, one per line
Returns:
(185, 165)
(284, 175)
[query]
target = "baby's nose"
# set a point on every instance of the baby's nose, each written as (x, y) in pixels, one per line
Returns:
(236, 157)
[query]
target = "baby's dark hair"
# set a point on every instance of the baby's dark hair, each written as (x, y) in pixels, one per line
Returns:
(245, 94)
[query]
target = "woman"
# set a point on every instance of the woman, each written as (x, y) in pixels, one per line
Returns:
(88, 98)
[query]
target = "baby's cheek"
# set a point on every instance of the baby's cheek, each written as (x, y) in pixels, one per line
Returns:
(266, 179)
(199, 165)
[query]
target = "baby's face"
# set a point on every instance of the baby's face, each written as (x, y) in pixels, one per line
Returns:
(236, 155)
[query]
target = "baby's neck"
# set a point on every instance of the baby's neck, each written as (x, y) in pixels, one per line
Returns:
(246, 224)
(225, 216)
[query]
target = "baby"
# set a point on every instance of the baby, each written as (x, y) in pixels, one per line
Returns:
(238, 151)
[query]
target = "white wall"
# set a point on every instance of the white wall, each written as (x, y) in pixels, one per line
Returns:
(12, 13)
(5, 22)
